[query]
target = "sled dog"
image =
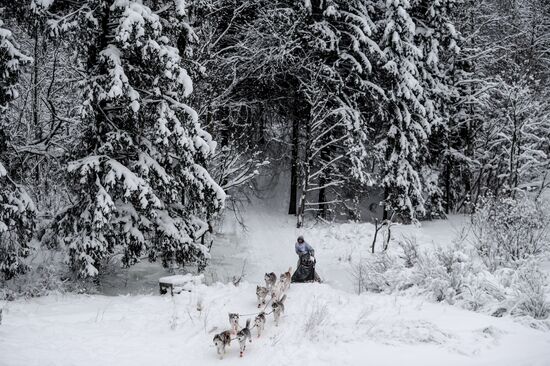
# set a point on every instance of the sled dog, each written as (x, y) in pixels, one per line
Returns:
(234, 322)
(277, 291)
(259, 322)
(243, 336)
(261, 293)
(221, 341)
(285, 279)
(278, 308)
(270, 280)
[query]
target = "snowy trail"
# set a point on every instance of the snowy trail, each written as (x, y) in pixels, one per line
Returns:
(267, 244)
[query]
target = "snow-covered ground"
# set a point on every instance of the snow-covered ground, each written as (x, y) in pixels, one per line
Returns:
(324, 324)
(321, 326)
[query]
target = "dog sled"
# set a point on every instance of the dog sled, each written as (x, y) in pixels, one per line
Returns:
(306, 270)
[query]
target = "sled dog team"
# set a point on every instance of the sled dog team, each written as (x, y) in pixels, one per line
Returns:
(276, 291)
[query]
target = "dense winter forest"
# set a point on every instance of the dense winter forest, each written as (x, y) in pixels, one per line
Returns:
(407, 140)
(128, 125)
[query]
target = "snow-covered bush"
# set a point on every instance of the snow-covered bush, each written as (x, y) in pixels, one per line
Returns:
(443, 274)
(457, 275)
(315, 319)
(529, 291)
(410, 251)
(374, 273)
(39, 280)
(507, 231)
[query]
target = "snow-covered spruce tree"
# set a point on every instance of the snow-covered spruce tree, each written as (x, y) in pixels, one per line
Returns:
(17, 210)
(336, 146)
(403, 146)
(438, 39)
(138, 174)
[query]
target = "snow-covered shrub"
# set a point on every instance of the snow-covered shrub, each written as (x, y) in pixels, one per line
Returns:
(507, 231)
(443, 273)
(529, 291)
(46, 274)
(459, 276)
(315, 319)
(430, 275)
(39, 280)
(375, 273)
(410, 251)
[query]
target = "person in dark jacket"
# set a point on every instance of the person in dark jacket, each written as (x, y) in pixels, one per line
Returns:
(302, 247)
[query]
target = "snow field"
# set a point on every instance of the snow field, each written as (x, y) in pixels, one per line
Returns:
(321, 326)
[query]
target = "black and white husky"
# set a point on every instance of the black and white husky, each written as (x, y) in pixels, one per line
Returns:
(221, 341)
(261, 293)
(259, 323)
(234, 322)
(270, 280)
(243, 336)
(278, 307)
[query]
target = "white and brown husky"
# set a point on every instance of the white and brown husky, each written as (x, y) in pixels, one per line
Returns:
(221, 341)
(270, 280)
(243, 336)
(277, 291)
(278, 307)
(261, 293)
(285, 279)
(259, 322)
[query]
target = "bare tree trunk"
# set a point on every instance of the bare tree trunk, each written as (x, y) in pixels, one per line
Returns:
(385, 214)
(294, 166)
(35, 102)
(260, 138)
(305, 180)
(448, 203)
(302, 206)
(512, 162)
(322, 199)
(377, 228)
